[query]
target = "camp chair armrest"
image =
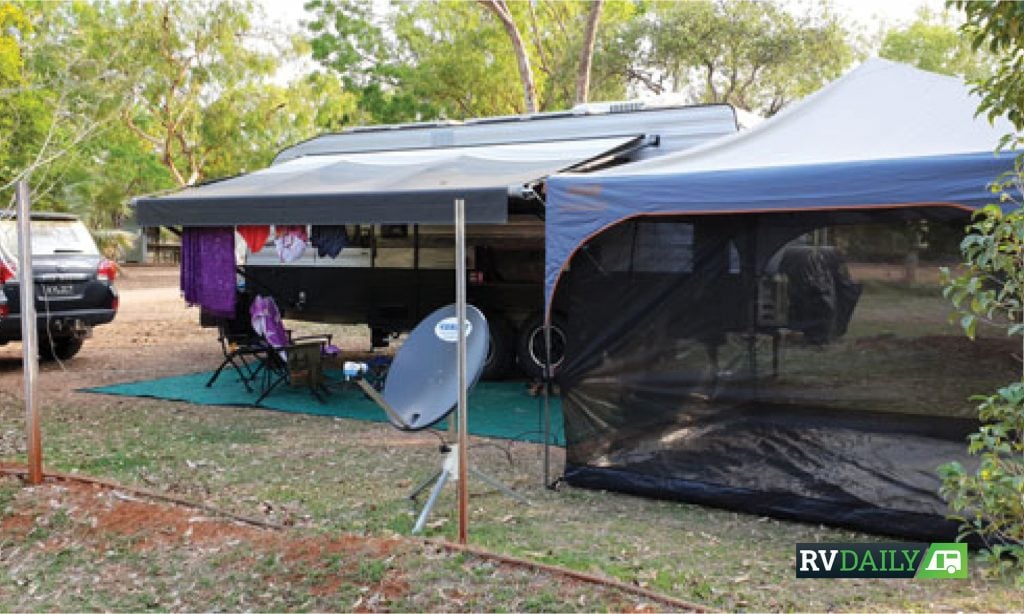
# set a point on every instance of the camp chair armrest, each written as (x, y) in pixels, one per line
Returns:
(293, 346)
(324, 338)
(252, 349)
(237, 338)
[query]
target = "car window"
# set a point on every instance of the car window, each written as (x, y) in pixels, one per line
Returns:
(49, 237)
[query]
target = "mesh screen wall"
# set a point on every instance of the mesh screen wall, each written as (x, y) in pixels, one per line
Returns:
(798, 365)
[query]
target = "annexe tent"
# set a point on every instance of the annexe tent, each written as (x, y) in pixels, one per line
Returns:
(885, 135)
(709, 359)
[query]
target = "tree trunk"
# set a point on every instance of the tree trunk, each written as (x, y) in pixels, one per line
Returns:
(910, 268)
(500, 9)
(587, 52)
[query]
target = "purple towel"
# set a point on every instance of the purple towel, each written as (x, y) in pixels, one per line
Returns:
(266, 321)
(208, 269)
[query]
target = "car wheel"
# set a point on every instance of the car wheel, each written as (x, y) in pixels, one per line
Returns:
(501, 351)
(62, 348)
(531, 349)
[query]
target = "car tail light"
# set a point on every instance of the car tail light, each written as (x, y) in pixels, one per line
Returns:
(115, 303)
(4, 310)
(107, 271)
(6, 272)
(476, 277)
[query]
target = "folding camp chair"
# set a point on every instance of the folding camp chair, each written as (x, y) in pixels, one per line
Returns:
(297, 361)
(240, 354)
(239, 343)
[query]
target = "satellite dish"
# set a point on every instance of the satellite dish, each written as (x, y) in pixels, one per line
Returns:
(422, 385)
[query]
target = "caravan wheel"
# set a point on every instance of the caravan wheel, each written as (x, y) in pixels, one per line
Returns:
(531, 349)
(501, 351)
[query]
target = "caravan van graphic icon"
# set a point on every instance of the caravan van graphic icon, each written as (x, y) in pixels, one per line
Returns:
(948, 560)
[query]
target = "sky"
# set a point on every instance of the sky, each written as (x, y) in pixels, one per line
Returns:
(887, 12)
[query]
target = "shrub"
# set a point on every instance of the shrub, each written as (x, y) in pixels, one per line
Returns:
(989, 501)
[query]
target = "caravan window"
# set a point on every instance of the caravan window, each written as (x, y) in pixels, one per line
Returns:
(437, 247)
(663, 247)
(655, 246)
(393, 247)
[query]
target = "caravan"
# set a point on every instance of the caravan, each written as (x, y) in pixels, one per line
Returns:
(389, 276)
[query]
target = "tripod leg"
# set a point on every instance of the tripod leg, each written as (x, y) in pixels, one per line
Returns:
(429, 505)
(499, 486)
(423, 486)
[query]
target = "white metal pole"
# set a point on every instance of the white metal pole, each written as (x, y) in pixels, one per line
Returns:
(460, 313)
(29, 338)
(547, 397)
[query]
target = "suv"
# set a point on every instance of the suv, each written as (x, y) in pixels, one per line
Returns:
(73, 283)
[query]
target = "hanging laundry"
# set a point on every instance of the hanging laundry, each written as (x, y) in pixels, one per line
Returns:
(255, 236)
(329, 240)
(290, 242)
(208, 269)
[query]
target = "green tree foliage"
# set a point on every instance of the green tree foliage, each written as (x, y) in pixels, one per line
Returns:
(473, 68)
(98, 178)
(998, 28)
(557, 31)
(932, 43)
(64, 108)
(20, 111)
(13, 24)
(990, 290)
(104, 101)
(191, 60)
(349, 41)
(462, 61)
(58, 90)
(989, 500)
(454, 59)
(754, 55)
(501, 10)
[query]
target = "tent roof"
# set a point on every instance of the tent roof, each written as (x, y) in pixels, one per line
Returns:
(880, 110)
(884, 135)
(398, 187)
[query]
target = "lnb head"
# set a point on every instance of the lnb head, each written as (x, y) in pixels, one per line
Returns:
(354, 370)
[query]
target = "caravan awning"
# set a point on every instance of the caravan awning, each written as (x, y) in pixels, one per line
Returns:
(388, 187)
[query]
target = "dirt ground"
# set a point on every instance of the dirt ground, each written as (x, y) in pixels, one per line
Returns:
(152, 332)
(341, 486)
(75, 527)
(152, 326)
(80, 546)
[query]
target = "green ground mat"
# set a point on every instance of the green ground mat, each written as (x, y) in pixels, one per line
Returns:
(496, 409)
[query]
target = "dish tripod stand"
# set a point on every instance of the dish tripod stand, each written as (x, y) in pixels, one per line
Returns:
(449, 467)
(450, 471)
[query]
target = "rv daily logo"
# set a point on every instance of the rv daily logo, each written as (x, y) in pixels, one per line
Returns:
(881, 560)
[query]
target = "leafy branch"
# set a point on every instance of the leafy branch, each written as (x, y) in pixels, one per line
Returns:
(989, 501)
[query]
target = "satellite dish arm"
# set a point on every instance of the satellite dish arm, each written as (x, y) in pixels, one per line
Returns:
(379, 400)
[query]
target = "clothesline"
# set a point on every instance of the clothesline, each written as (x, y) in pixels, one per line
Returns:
(208, 258)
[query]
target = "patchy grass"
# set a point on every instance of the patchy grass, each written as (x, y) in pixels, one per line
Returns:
(342, 487)
(332, 477)
(73, 547)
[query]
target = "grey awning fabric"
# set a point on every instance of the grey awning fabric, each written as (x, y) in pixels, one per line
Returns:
(395, 187)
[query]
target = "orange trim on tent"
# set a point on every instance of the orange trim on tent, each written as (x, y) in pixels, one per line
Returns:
(561, 270)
